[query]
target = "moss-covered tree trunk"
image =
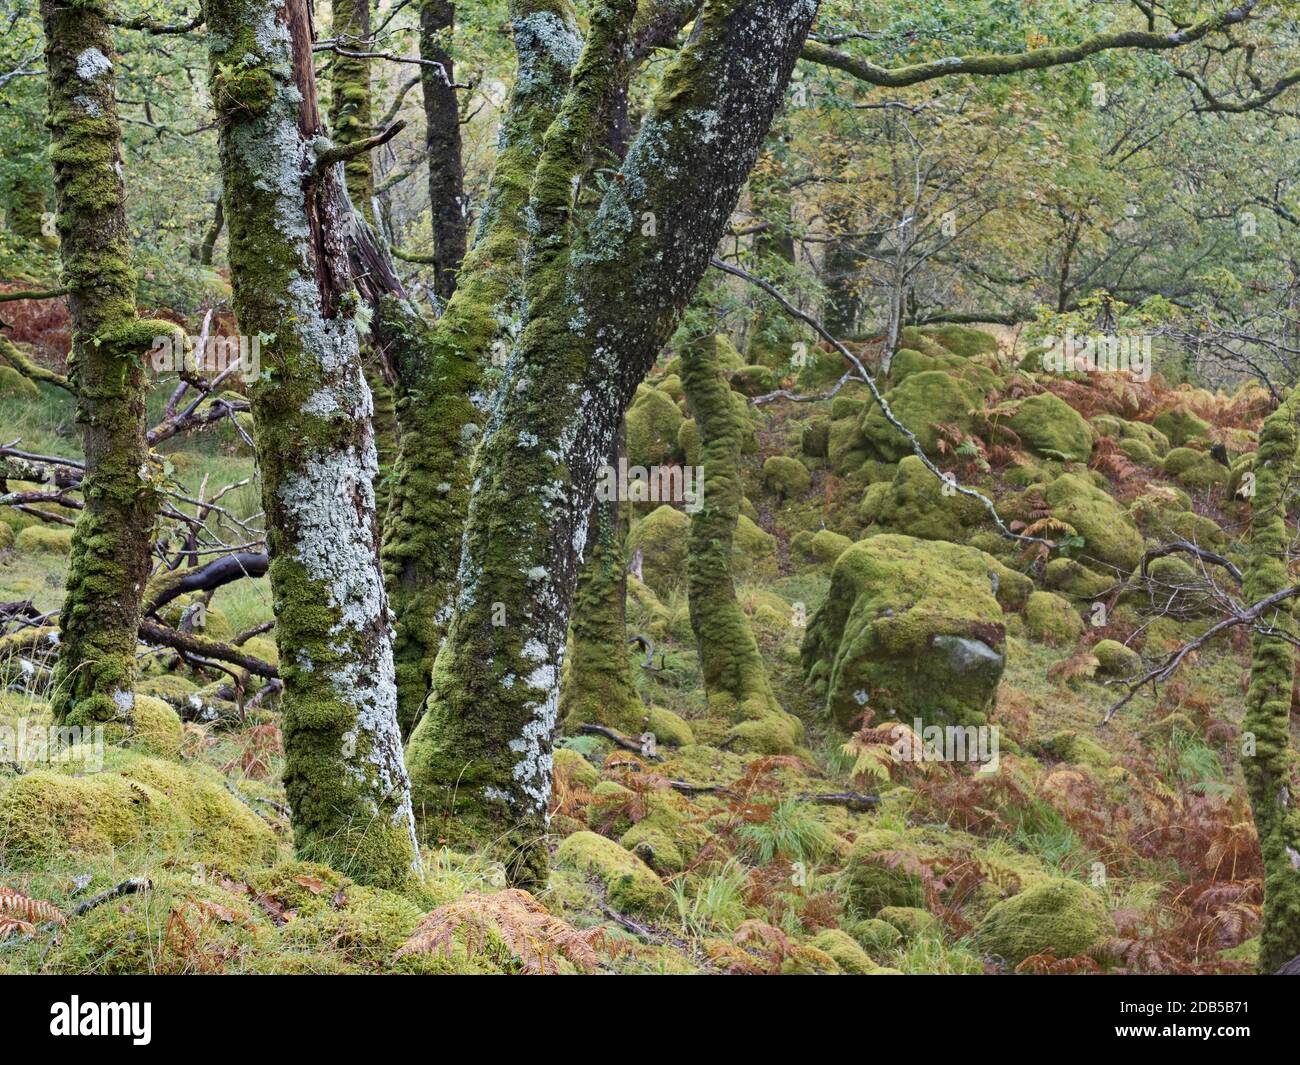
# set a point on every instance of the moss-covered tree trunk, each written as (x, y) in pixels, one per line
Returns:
(344, 776)
(603, 294)
(598, 687)
(447, 204)
(735, 679)
(111, 541)
(1268, 762)
(446, 375)
(350, 103)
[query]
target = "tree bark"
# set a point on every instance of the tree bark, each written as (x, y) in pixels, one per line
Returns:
(110, 543)
(448, 206)
(287, 220)
(1270, 767)
(350, 103)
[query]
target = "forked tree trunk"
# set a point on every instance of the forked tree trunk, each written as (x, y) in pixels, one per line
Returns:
(602, 299)
(1267, 762)
(110, 345)
(344, 776)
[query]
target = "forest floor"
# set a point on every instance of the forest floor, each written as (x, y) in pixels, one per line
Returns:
(1126, 848)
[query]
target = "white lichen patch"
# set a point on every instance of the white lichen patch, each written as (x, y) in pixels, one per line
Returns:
(91, 64)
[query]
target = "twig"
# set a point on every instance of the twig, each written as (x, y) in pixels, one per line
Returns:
(126, 887)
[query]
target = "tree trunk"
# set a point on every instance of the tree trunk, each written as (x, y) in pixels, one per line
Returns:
(600, 305)
(111, 541)
(598, 686)
(448, 206)
(344, 776)
(1269, 768)
(735, 679)
(350, 104)
(445, 375)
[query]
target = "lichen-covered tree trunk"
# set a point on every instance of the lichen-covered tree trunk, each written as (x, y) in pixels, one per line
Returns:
(602, 298)
(598, 687)
(350, 103)
(344, 777)
(1268, 762)
(446, 374)
(447, 204)
(111, 541)
(735, 679)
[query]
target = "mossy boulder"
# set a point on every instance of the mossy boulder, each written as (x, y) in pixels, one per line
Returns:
(917, 503)
(846, 447)
(912, 922)
(1060, 917)
(1073, 578)
(1125, 431)
(1179, 425)
(661, 537)
(155, 728)
(1050, 427)
(1068, 745)
(6, 536)
(1116, 660)
(632, 886)
(921, 403)
(653, 422)
(669, 728)
(908, 361)
(1110, 535)
(1052, 620)
(815, 438)
(574, 768)
(44, 540)
(963, 340)
(878, 938)
(14, 385)
(754, 380)
(876, 874)
(842, 947)
(786, 476)
(688, 442)
(910, 628)
(147, 801)
(1197, 470)
(826, 546)
(753, 547)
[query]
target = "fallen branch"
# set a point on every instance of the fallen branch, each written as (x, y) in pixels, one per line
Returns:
(126, 887)
(1191, 549)
(152, 632)
(617, 738)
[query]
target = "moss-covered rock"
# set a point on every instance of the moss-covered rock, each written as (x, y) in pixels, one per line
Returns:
(815, 438)
(1116, 660)
(877, 875)
(910, 628)
(661, 537)
(846, 447)
(1075, 579)
(845, 951)
(653, 422)
(1179, 425)
(669, 728)
(1050, 427)
(6, 536)
(44, 540)
(632, 885)
(574, 768)
(1051, 619)
(1068, 745)
(1197, 470)
(878, 938)
(155, 728)
(786, 476)
(1061, 917)
(826, 546)
(917, 503)
(1110, 535)
(752, 547)
(912, 922)
(754, 380)
(963, 340)
(922, 402)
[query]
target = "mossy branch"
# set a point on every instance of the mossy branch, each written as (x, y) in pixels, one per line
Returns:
(1037, 59)
(30, 369)
(341, 153)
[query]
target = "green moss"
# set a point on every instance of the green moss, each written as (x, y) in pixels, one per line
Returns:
(912, 922)
(669, 728)
(632, 885)
(1179, 425)
(752, 548)
(841, 947)
(922, 402)
(1061, 917)
(1110, 535)
(653, 423)
(876, 875)
(1197, 470)
(963, 340)
(815, 438)
(917, 503)
(808, 961)
(155, 727)
(754, 380)
(1049, 426)
(907, 362)
(1116, 660)
(1075, 579)
(1052, 620)
(44, 540)
(910, 628)
(14, 385)
(1068, 745)
(661, 538)
(878, 938)
(576, 768)
(6, 536)
(786, 476)
(826, 546)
